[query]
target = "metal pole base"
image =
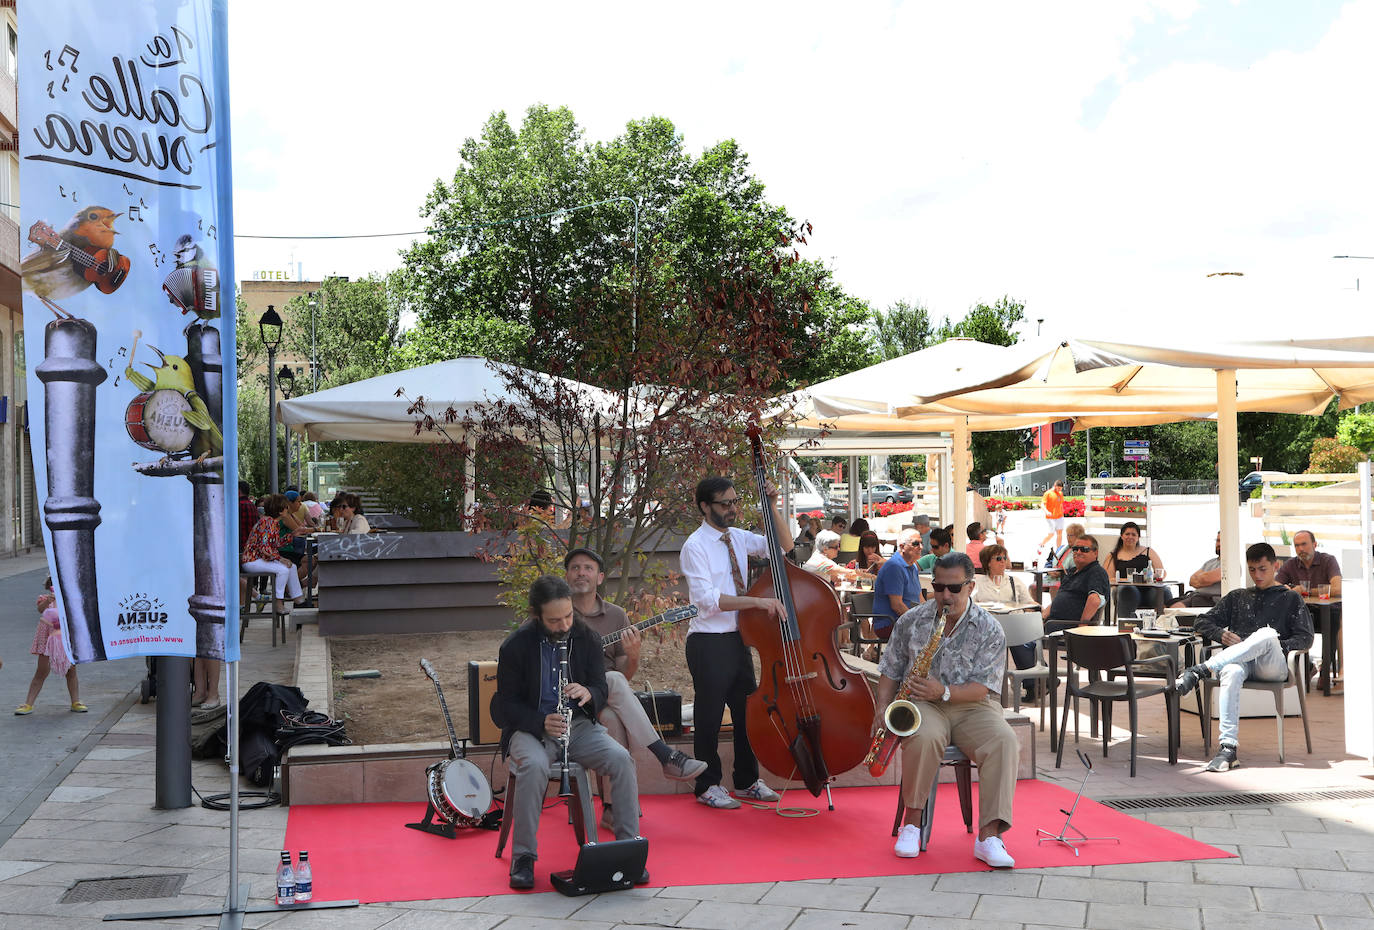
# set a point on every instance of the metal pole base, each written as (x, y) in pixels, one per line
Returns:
(231, 916)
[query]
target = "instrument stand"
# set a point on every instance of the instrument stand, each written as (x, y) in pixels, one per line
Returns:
(829, 799)
(1073, 842)
(432, 825)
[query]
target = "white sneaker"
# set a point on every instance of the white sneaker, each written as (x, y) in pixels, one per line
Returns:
(994, 852)
(718, 797)
(758, 791)
(908, 842)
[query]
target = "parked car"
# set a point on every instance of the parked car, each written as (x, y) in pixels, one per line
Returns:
(889, 494)
(1249, 483)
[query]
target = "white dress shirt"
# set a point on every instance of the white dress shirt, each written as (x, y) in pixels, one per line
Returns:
(706, 565)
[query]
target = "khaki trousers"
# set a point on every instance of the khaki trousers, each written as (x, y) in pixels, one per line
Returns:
(983, 735)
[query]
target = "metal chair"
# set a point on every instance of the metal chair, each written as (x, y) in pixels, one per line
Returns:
(1025, 627)
(963, 779)
(580, 813)
(860, 609)
(255, 600)
(1294, 680)
(1096, 654)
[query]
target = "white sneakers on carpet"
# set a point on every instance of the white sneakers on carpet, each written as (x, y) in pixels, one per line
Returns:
(991, 850)
(908, 842)
(994, 852)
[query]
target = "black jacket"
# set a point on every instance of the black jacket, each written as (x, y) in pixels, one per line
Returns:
(1246, 610)
(515, 705)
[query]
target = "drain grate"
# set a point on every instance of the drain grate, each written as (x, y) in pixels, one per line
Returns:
(1237, 799)
(127, 888)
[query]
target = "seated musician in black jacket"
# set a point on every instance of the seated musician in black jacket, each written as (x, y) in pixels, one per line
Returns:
(527, 708)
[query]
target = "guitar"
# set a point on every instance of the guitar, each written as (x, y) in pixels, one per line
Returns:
(105, 268)
(675, 615)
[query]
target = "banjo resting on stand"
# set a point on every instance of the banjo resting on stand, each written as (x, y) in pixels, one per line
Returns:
(458, 792)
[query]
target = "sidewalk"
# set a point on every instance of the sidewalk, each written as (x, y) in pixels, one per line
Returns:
(1301, 865)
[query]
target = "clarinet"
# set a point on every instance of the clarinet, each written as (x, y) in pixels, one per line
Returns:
(564, 710)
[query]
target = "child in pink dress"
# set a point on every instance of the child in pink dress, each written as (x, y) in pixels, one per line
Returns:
(52, 656)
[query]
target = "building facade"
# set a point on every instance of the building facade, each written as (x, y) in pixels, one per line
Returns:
(19, 527)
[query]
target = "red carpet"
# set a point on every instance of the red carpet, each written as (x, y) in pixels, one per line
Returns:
(363, 851)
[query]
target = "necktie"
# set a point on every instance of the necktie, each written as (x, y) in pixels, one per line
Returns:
(740, 587)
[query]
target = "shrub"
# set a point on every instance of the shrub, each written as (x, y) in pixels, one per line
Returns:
(1332, 457)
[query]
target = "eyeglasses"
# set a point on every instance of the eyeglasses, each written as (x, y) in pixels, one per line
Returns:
(732, 502)
(1083, 549)
(939, 587)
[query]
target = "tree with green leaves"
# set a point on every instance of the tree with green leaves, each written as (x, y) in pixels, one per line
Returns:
(537, 229)
(904, 327)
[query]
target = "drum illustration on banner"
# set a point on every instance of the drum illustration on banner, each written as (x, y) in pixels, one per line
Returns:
(124, 155)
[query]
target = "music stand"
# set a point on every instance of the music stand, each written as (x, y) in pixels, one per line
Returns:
(1073, 842)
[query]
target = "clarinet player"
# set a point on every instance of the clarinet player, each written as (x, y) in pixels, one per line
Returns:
(958, 702)
(533, 715)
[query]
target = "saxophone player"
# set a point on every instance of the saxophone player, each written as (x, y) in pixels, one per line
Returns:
(958, 699)
(533, 715)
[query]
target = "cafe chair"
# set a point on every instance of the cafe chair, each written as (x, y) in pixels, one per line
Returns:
(1025, 626)
(1127, 600)
(1276, 688)
(580, 812)
(963, 779)
(860, 609)
(1097, 655)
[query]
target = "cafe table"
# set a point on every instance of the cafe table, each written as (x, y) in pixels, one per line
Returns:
(1161, 589)
(1321, 609)
(1173, 641)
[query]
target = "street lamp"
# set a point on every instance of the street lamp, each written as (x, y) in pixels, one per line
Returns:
(287, 379)
(269, 326)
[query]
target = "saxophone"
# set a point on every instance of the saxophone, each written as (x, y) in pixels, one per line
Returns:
(902, 718)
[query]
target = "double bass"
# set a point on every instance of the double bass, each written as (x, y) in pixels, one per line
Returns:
(811, 713)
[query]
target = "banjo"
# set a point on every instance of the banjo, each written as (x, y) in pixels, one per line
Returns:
(458, 791)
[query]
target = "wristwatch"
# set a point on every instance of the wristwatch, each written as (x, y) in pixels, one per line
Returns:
(945, 697)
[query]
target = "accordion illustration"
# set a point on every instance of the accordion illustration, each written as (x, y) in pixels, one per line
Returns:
(194, 290)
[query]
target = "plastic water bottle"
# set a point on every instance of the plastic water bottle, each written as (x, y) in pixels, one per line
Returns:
(286, 880)
(304, 889)
(1149, 573)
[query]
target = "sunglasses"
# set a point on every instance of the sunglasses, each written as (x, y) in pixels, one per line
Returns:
(1083, 549)
(939, 587)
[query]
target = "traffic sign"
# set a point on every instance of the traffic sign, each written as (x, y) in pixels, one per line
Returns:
(1136, 450)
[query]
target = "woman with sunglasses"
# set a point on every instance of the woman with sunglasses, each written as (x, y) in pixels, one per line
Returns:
(997, 585)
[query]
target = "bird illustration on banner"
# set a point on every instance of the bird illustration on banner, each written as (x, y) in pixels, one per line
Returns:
(82, 254)
(168, 415)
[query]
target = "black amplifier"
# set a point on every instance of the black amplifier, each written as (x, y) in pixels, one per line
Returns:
(664, 709)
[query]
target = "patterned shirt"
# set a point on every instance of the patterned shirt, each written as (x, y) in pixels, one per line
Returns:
(974, 651)
(248, 518)
(263, 542)
(1246, 610)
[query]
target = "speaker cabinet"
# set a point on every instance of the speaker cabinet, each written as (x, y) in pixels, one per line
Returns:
(481, 686)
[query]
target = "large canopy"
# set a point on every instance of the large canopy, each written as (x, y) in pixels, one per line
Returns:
(1076, 376)
(372, 411)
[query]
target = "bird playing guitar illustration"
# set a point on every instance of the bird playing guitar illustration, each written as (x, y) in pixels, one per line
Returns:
(82, 254)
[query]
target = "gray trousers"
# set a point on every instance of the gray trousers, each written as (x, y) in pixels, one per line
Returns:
(532, 759)
(624, 715)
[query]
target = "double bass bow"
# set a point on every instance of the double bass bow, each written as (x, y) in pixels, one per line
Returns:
(811, 713)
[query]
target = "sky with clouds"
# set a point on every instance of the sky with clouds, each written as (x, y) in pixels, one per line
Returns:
(1095, 160)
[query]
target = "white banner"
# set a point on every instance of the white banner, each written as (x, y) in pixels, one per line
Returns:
(124, 171)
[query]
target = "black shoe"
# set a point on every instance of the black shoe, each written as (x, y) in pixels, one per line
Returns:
(522, 872)
(1225, 759)
(1190, 677)
(643, 878)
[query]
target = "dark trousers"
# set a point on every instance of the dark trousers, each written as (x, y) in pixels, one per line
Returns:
(722, 674)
